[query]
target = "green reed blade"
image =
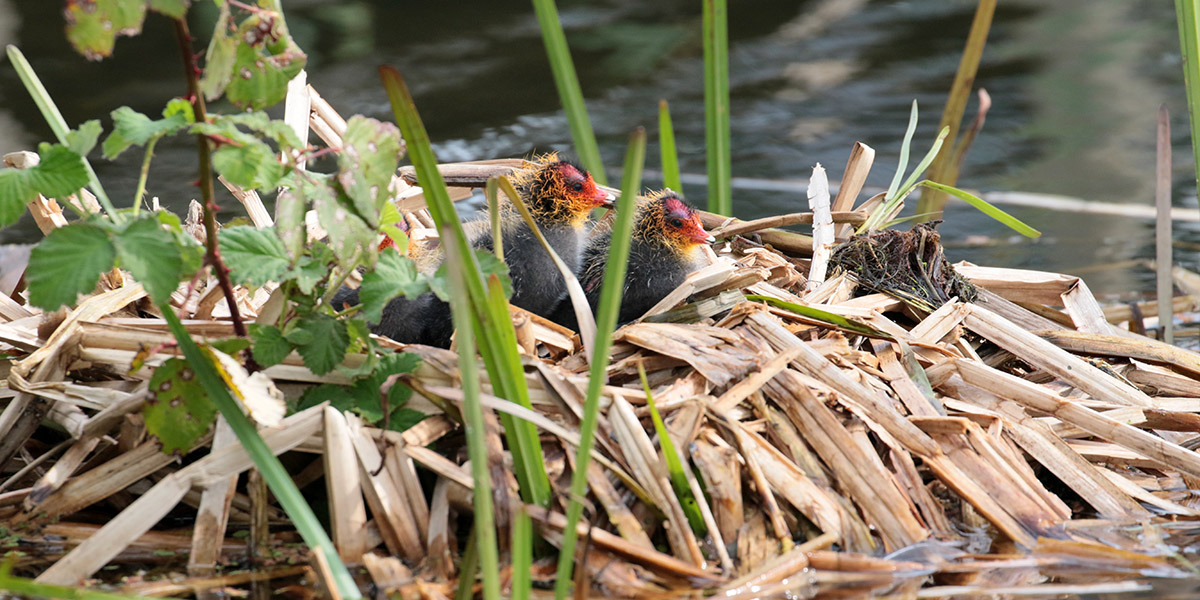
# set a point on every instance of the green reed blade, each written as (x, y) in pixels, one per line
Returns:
(666, 142)
(606, 321)
(984, 207)
(496, 337)
(476, 429)
(57, 124)
(569, 91)
(1187, 13)
(717, 136)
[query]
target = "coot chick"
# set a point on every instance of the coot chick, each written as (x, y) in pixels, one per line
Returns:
(667, 235)
(560, 196)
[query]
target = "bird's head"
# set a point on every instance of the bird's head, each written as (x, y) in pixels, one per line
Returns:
(559, 191)
(665, 216)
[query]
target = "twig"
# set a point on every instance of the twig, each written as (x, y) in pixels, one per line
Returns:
(213, 255)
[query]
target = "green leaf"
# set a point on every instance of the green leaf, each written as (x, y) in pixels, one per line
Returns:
(675, 466)
(172, 8)
(368, 160)
(325, 344)
(132, 128)
(394, 275)
(260, 75)
(60, 173)
(93, 25)
(311, 271)
(68, 263)
(362, 397)
(904, 148)
(82, 140)
(252, 165)
(151, 254)
(15, 193)
(254, 256)
(230, 346)
(179, 411)
(986, 208)
(821, 315)
(347, 232)
(925, 162)
(270, 347)
(218, 60)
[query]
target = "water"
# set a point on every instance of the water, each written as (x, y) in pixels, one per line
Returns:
(1075, 86)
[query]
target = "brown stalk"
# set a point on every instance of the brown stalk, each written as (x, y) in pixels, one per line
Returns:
(212, 255)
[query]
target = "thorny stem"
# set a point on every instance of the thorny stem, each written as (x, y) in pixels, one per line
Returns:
(212, 256)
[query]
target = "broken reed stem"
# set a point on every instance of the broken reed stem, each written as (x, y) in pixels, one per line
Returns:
(208, 199)
(1162, 228)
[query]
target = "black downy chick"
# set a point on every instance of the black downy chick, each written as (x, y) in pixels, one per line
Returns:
(560, 196)
(667, 236)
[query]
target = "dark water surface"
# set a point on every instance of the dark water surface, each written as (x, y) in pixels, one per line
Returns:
(1075, 85)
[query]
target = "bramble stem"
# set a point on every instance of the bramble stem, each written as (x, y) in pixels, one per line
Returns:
(212, 255)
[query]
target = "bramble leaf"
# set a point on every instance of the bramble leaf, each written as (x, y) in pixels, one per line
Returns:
(368, 160)
(325, 344)
(132, 128)
(82, 140)
(68, 263)
(93, 25)
(254, 256)
(251, 165)
(60, 173)
(270, 347)
(172, 8)
(150, 254)
(312, 270)
(362, 397)
(261, 69)
(179, 411)
(394, 275)
(218, 60)
(15, 193)
(347, 232)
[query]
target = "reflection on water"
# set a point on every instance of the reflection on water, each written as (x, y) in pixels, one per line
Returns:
(1075, 85)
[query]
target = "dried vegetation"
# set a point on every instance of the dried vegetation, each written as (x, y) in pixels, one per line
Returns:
(1014, 443)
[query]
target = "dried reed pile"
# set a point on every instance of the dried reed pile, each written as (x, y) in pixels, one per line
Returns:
(1017, 443)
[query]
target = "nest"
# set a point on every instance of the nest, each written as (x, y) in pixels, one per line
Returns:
(908, 265)
(996, 434)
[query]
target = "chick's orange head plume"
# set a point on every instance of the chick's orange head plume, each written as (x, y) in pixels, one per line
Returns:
(671, 217)
(560, 190)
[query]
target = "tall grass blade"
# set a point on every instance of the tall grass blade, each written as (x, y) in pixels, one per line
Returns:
(1008, 220)
(716, 107)
(823, 316)
(476, 428)
(494, 329)
(57, 124)
(468, 568)
(924, 164)
(277, 477)
(522, 554)
(610, 305)
(666, 144)
(945, 167)
(493, 202)
(904, 148)
(675, 467)
(1187, 14)
(569, 91)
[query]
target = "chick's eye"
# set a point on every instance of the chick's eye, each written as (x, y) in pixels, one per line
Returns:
(676, 223)
(577, 186)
